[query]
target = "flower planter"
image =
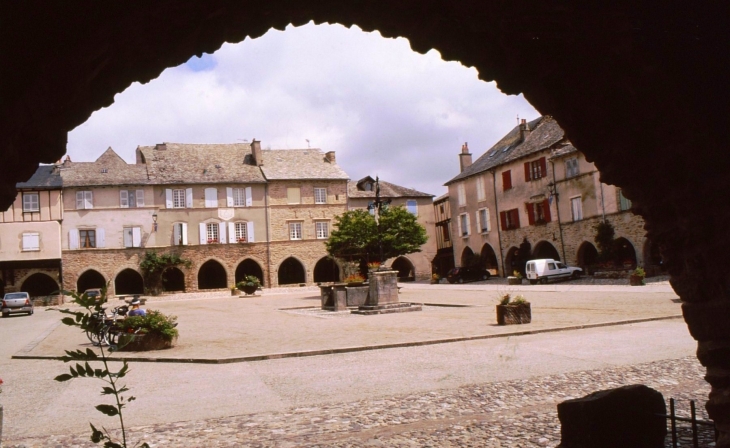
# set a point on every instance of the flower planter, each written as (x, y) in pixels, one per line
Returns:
(234, 292)
(514, 280)
(144, 342)
(513, 314)
(250, 289)
(636, 280)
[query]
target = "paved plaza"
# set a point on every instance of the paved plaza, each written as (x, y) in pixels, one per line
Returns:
(273, 370)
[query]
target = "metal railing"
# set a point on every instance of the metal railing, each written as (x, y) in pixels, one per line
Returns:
(694, 424)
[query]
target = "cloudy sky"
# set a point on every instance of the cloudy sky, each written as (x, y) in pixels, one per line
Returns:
(383, 108)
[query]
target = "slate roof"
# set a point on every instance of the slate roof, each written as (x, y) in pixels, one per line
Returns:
(186, 163)
(292, 164)
(544, 133)
(387, 190)
(46, 177)
(108, 169)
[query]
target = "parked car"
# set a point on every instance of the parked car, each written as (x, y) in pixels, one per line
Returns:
(467, 274)
(93, 293)
(547, 269)
(16, 302)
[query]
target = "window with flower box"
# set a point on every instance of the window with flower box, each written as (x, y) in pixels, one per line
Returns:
(240, 229)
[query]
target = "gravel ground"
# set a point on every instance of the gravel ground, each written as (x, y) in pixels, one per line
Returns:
(517, 413)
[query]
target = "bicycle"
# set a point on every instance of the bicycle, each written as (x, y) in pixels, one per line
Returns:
(100, 323)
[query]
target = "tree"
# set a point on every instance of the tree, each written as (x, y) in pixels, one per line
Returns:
(605, 240)
(355, 236)
(153, 266)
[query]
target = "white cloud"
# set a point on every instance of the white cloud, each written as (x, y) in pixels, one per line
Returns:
(383, 108)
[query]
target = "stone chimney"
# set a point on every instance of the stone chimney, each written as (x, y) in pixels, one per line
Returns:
(256, 152)
(161, 146)
(465, 156)
(330, 157)
(524, 129)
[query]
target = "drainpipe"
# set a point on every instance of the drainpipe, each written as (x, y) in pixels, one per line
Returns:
(268, 237)
(603, 206)
(557, 207)
(496, 210)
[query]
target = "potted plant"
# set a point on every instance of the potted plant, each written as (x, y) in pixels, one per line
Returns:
(249, 284)
(515, 278)
(354, 280)
(637, 277)
(234, 290)
(435, 279)
(241, 239)
(153, 331)
(512, 311)
(373, 266)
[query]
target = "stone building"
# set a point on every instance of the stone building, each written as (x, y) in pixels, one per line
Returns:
(534, 195)
(415, 266)
(444, 260)
(30, 236)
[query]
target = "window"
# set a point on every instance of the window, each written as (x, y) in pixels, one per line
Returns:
(412, 206)
(84, 200)
(506, 180)
(624, 204)
(462, 195)
(293, 196)
(483, 220)
(87, 238)
(132, 237)
(464, 225)
(538, 212)
(211, 198)
(31, 202)
(240, 232)
(31, 241)
(536, 169)
(481, 193)
(322, 229)
(178, 198)
(295, 230)
(576, 206)
(180, 234)
(239, 197)
(571, 167)
(320, 195)
(211, 232)
(131, 198)
(510, 219)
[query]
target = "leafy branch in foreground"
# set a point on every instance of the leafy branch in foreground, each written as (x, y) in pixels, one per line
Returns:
(82, 369)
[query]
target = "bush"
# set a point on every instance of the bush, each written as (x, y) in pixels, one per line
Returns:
(153, 323)
(249, 280)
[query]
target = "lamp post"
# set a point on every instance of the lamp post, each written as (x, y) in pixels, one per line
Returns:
(154, 221)
(377, 207)
(553, 190)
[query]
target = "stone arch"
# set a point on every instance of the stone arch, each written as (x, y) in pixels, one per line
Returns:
(90, 279)
(249, 267)
(545, 249)
(128, 282)
(212, 275)
(488, 259)
(511, 261)
(291, 271)
(39, 284)
(625, 252)
(467, 257)
(406, 270)
(587, 255)
(326, 270)
(173, 279)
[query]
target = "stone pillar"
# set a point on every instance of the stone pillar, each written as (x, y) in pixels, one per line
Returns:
(339, 296)
(383, 288)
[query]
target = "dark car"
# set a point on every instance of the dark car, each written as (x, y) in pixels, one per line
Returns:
(467, 274)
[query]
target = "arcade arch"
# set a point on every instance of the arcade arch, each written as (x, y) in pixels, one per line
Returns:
(212, 275)
(40, 284)
(291, 271)
(173, 279)
(544, 249)
(406, 270)
(249, 267)
(326, 270)
(128, 282)
(89, 280)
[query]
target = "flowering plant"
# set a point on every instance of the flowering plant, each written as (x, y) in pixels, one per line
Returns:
(374, 265)
(212, 241)
(354, 278)
(241, 239)
(1, 385)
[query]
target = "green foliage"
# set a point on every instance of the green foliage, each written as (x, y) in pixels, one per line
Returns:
(507, 299)
(152, 323)
(355, 236)
(605, 237)
(639, 271)
(504, 299)
(83, 369)
(153, 266)
(248, 280)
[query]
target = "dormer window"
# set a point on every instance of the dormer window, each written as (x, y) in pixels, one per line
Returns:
(104, 170)
(367, 186)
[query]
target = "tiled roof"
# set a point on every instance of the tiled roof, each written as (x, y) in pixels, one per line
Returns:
(286, 164)
(182, 163)
(108, 169)
(387, 190)
(544, 133)
(563, 151)
(44, 178)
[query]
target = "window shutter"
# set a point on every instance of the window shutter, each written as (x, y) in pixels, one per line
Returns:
(530, 213)
(546, 206)
(73, 239)
(249, 231)
(479, 226)
(468, 224)
(136, 237)
(124, 198)
(527, 171)
(140, 198)
(543, 168)
(231, 232)
(203, 234)
(486, 216)
(503, 220)
(222, 232)
(168, 198)
(176, 234)
(184, 232)
(79, 199)
(249, 200)
(100, 238)
(460, 232)
(506, 180)
(229, 197)
(88, 199)
(189, 197)
(30, 241)
(516, 218)
(211, 198)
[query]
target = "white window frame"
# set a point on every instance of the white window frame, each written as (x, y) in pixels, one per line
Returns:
(239, 197)
(180, 234)
(295, 230)
(320, 195)
(131, 198)
(464, 221)
(412, 206)
(178, 198)
(462, 194)
(577, 212)
(240, 230)
(30, 205)
(322, 229)
(571, 167)
(84, 200)
(132, 236)
(483, 220)
(31, 241)
(481, 192)
(212, 232)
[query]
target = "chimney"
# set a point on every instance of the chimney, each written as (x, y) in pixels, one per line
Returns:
(256, 152)
(464, 157)
(524, 129)
(330, 157)
(161, 146)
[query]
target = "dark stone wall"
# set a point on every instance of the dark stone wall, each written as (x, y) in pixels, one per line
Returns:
(638, 86)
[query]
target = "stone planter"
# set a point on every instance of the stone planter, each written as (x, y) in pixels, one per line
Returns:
(514, 280)
(144, 342)
(636, 280)
(249, 289)
(234, 292)
(513, 314)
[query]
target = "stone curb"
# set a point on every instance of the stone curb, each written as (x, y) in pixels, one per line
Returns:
(333, 351)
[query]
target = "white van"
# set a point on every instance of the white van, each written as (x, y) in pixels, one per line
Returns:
(548, 269)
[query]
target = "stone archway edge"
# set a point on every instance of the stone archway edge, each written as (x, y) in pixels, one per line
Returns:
(22, 354)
